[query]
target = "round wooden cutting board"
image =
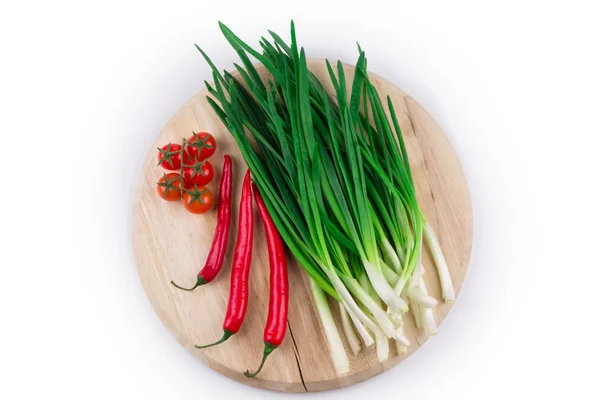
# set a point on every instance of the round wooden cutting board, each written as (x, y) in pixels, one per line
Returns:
(171, 244)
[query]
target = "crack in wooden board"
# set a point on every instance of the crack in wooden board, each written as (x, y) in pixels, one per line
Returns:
(297, 354)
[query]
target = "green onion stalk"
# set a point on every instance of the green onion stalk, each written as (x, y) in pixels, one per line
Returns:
(335, 176)
(348, 330)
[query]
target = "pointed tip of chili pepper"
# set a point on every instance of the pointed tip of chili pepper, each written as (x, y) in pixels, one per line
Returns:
(226, 335)
(268, 350)
(199, 282)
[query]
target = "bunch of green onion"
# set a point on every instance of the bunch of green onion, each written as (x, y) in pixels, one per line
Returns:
(335, 176)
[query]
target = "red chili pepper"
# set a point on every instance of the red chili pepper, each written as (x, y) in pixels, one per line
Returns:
(218, 248)
(242, 258)
(278, 298)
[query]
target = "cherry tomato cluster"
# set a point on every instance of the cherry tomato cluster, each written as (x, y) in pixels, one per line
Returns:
(191, 160)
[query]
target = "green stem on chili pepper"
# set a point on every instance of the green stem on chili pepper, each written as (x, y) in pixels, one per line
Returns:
(268, 350)
(226, 335)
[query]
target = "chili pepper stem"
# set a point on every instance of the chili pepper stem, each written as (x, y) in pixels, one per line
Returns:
(268, 350)
(199, 282)
(226, 335)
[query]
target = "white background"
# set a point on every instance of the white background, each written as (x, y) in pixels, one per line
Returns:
(86, 86)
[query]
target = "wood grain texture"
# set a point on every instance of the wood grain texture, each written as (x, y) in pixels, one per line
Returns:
(171, 244)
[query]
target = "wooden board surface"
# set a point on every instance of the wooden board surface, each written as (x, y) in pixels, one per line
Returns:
(171, 244)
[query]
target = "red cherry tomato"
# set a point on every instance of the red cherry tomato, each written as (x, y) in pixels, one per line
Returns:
(200, 173)
(169, 157)
(201, 145)
(198, 200)
(169, 187)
